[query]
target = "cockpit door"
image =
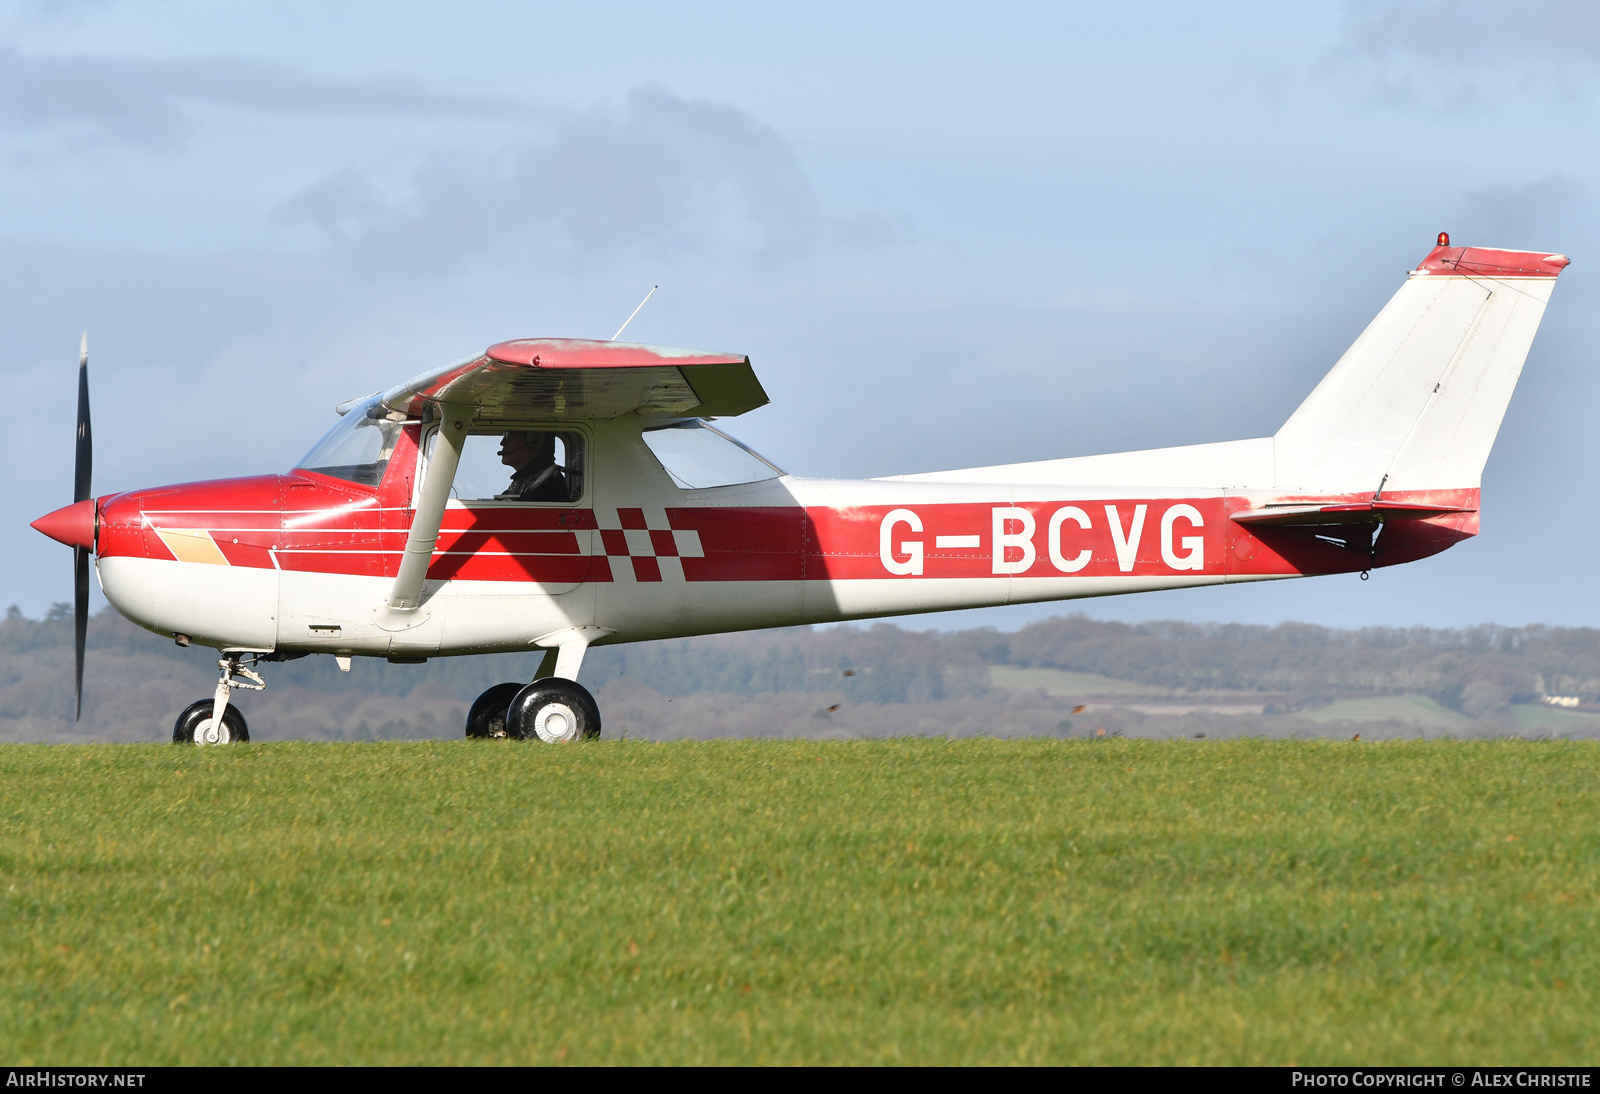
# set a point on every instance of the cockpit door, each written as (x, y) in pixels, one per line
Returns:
(518, 523)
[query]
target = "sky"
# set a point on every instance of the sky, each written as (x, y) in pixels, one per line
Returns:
(946, 235)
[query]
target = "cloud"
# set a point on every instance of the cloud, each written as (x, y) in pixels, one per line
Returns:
(150, 103)
(1512, 214)
(345, 205)
(1449, 31)
(1448, 55)
(664, 177)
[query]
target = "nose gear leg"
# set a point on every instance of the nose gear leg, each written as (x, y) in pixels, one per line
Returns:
(232, 674)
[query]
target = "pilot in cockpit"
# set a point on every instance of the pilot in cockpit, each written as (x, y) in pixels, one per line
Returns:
(535, 473)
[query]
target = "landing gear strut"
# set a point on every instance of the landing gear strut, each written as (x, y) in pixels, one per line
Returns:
(213, 721)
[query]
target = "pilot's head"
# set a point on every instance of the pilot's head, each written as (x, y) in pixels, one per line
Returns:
(520, 449)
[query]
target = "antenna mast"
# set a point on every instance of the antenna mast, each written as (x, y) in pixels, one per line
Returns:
(636, 311)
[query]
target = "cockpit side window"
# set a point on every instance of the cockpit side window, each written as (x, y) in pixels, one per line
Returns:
(519, 465)
(358, 447)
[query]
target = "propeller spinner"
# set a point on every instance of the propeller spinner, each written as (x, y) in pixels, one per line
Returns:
(74, 524)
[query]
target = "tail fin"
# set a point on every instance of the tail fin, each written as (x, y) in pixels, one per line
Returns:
(1415, 404)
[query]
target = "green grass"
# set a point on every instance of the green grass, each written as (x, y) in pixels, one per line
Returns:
(904, 901)
(1418, 710)
(1542, 718)
(1063, 683)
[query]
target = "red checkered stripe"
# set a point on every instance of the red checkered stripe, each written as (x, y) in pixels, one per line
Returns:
(641, 545)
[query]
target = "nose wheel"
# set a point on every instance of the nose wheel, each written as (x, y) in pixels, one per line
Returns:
(215, 721)
(195, 726)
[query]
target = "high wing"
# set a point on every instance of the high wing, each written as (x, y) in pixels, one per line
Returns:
(550, 378)
(572, 378)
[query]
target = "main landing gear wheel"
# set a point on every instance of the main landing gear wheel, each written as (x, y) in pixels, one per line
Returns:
(194, 726)
(554, 711)
(487, 718)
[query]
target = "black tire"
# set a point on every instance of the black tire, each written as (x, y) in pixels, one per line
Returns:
(487, 718)
(554, 711)
(198, 713)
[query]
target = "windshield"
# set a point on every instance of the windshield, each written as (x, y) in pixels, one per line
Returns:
(699, 457)
(357, 448)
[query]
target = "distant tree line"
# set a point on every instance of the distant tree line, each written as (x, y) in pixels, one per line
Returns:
(1477, 670)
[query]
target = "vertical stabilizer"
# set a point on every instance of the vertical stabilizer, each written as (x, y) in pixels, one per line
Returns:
(1416, 402)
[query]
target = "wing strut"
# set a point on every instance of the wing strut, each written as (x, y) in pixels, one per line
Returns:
(441, 474)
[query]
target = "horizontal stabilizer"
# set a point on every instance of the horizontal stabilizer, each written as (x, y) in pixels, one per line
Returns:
(1366, 512)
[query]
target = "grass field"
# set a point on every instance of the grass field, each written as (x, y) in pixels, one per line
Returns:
(1068, 684)
(914, 900)
(1539, 718)
(1417, 710)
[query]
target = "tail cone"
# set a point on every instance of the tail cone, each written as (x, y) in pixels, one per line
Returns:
(72, 524)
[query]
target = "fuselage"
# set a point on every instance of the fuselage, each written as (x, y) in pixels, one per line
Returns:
(558, 493)
(303, 561)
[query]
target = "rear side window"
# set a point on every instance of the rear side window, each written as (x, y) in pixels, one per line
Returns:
(699, 457)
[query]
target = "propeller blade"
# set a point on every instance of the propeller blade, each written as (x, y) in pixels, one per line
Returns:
(83, 468)
(80, 622)
(83, 473)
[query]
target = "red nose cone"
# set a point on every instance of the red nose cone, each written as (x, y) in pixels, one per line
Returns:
(72, 525)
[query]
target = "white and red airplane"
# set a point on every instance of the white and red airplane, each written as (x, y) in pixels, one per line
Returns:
(628, 518)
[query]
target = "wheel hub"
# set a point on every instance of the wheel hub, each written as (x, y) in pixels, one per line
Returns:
(555, 723)
(208, 733)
